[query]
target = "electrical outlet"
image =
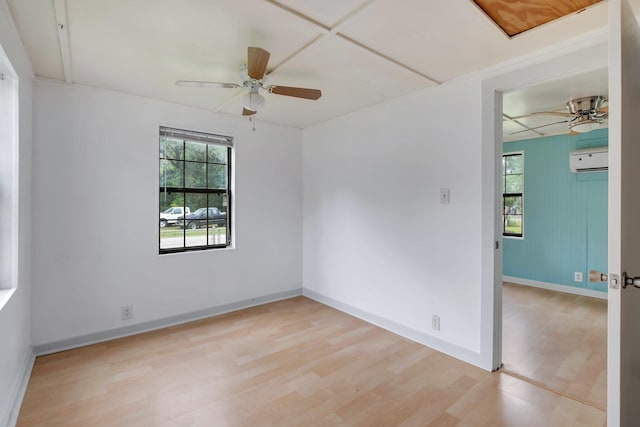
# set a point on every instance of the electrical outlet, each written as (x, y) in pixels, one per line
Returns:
(127, 312)
(435, 322)
(577, 276)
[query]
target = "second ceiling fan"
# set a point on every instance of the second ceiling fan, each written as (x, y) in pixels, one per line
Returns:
(252, 78)
(583, 115)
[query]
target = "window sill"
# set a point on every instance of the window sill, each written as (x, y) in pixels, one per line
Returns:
(5, 296)
(208, 250)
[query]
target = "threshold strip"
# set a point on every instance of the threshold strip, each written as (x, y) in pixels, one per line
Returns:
(552, 390)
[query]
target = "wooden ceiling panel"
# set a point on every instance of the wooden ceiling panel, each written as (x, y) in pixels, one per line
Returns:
(518, 16)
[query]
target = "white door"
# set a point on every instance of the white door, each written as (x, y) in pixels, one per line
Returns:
(623, 389)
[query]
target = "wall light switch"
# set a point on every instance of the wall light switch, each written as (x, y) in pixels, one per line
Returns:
(444, 196)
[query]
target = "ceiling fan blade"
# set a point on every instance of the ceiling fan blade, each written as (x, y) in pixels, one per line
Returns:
(507, 118)
(538, 127)
(604, 110)
(257, 62)
(191, 83)
(552, 113)
(298, 92)
(246, 112)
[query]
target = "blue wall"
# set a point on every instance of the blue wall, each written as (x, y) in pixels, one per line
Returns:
(565, 214)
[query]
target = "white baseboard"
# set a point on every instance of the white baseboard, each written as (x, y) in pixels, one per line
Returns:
(555, 287)
(453, 350)
(94, 338)
(14, 401)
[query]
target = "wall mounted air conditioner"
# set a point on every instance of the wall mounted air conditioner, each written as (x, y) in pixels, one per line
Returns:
(589, 160)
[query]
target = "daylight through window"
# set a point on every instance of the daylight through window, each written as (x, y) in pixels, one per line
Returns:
(512, 194)
(195, 190)
(8, 179)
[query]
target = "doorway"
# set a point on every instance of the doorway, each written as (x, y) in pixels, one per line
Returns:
(592, 55)
(554, 319)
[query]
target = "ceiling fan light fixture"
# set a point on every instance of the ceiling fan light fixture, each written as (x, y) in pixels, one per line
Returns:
(253, 101)
(585, 125)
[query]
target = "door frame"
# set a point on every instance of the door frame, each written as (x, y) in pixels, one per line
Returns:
(570, 58)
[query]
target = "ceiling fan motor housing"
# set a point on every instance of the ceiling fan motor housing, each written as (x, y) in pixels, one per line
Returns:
(588, 105)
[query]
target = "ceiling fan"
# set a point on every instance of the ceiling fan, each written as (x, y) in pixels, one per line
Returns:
(585, 114)
(252, 77)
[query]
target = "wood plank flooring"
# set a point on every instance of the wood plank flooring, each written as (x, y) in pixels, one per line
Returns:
(290, 363)
(556, 339)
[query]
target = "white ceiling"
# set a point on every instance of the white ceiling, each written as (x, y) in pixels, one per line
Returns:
(358, 52)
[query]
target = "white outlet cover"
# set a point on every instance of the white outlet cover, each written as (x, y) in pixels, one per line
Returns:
(127, 312)
(435, 322)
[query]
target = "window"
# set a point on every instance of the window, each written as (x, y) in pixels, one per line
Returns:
(9, 160)
(512, 194)
(195, 191)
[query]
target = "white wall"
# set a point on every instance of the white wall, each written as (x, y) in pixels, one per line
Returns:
(95, 210)
(15, 316)
(378, 243)
(376, 238)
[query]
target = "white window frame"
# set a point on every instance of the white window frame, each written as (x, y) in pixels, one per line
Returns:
(9, 183)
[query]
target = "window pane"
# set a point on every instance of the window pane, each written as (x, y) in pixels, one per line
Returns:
(513, 205)
(196, 201)
(171, 148)
(513, 164)
(195, 175)
(217, 178)
(195, 224)
(171, 173)
(218, 201)
(513, 184)
(513, 224)
(218, 232)
(217, 154)
(170, 236)
(196, 151)
(170, 200)
(196, 235)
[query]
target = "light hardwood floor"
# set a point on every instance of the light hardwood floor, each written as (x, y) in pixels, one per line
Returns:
(290, 363)
(558, 340)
